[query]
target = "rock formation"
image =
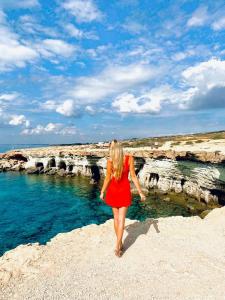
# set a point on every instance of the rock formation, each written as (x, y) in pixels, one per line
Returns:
(196, 171)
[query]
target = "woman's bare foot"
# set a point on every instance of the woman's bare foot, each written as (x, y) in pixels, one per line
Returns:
(121, 246)
(118, 252)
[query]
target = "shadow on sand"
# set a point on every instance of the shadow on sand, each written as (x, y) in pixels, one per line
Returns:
(136, 229)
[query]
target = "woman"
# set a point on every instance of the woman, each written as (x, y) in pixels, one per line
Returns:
(118, 194)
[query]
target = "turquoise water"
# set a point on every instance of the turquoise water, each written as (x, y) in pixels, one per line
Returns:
(34, 208)
(7, 147)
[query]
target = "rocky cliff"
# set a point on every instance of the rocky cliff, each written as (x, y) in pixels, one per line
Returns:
(196, 170)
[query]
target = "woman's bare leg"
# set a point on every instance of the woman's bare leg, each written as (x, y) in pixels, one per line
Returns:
(121, 223)
(116, 219)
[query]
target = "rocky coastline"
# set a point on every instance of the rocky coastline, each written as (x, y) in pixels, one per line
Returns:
(69, 267)
(197, 171)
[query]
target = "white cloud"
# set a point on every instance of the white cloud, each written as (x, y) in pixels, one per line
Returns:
(199, 17)
(48, 105)
(30, 25)
(219, 24)
(113, 80)
(134, 27)
(12, 52)
(90, 109)
(99, 53)
(16, 54)
(78, 33)
(92, 89)
(203, 87)
(128, 103)
(52, 47)
(51, 128)
(149, 102)
(198, 51)
(207, 80)
(18, 4)
(67, 108)
(74, 31)
(84, 11)
(16, 120)
(206, 75)
(7, 101)
(9, 97)
(182, 55)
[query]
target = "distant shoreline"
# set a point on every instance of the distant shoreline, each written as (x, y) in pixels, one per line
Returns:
(135, 139)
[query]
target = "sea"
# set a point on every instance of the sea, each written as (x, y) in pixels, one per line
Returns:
(7, 147)
(35, 208)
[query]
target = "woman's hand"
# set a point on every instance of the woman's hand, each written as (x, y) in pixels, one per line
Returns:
(102, 196)
(143, 197)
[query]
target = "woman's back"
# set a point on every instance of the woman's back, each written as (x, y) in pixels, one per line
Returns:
(118, 193)
(125, 170)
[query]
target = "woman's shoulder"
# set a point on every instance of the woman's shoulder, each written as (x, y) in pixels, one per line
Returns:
(109, 160)
(130, 157)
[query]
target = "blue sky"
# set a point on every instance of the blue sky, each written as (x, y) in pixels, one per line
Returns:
(92, 70)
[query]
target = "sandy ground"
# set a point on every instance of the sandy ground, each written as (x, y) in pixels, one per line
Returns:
(165, 258)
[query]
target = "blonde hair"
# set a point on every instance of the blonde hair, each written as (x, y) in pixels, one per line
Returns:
(116, 154)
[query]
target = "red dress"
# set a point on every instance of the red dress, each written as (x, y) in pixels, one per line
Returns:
(118, 193)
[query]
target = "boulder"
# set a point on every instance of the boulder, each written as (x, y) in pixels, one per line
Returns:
(32, 170)
(61, 172)
(205, 213)
(17, 167)
(50, 171)
(93, 181)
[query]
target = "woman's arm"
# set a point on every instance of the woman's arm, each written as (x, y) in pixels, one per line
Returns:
(107, 177)
(134, 177)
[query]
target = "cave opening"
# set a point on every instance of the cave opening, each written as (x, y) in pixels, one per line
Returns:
(70, 168)
(95, 173)
(51, 163)
(39, 165)
(62, 165)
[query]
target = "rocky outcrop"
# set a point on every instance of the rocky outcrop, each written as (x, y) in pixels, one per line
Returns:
(198, 174)
(190, 153)
(203, 181)
(167, 258)
(18, 261)
(11, 165)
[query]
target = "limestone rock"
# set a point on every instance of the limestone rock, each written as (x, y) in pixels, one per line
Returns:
(166, 168)
(18, 261)
(61, 172)
(32, 170)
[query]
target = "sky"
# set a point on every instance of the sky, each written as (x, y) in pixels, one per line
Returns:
(93, 70)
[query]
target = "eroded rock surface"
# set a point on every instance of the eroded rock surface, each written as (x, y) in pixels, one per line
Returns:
(197, 170)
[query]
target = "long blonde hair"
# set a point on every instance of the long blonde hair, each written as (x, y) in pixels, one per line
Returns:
(116, 154)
